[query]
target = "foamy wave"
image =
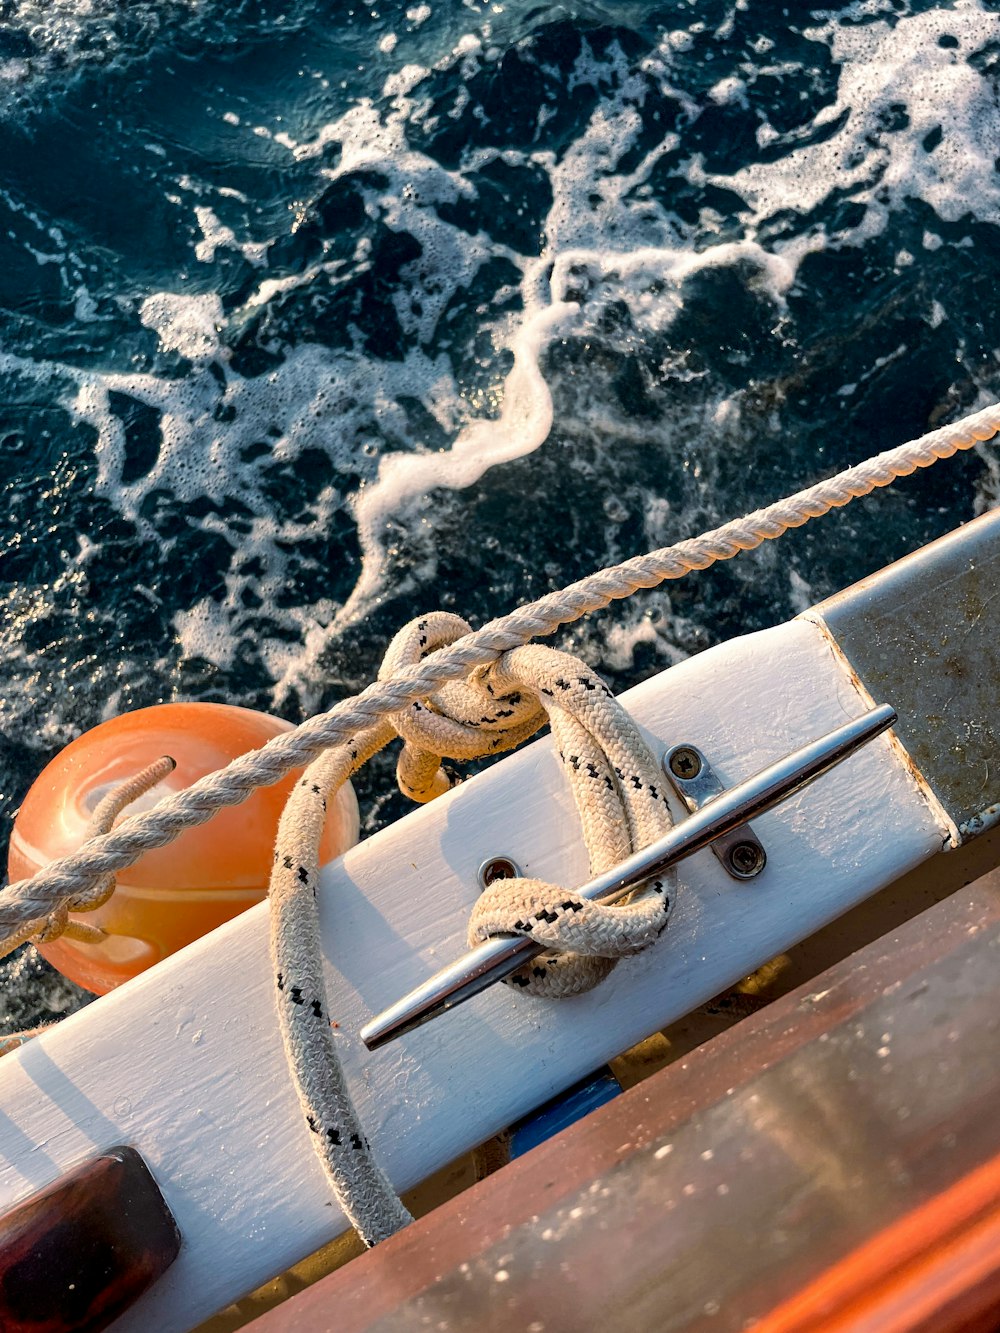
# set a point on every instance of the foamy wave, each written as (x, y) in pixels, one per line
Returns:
(916, 117)
(47, 44)
(563, 291)
(455, 292)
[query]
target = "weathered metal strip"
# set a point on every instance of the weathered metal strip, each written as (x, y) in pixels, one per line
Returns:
(740, 853)
(925, 633)
(709, 1194)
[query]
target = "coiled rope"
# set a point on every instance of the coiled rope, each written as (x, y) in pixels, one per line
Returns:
(26, 906)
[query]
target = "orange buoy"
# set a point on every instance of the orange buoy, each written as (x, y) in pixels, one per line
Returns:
(177, 893)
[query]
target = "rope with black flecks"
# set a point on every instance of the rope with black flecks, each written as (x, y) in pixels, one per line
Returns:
(622, 807)
(25, 906)
(362, 724)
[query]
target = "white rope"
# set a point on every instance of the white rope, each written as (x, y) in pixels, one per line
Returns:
(466, 720)
(622, 804)
(26, 905)
(619, 795)
(95, 892)
(361, 1187)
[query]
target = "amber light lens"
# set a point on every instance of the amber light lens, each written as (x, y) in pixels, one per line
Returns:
(207, 875)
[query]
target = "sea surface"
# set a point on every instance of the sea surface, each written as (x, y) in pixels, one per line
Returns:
(316, 315)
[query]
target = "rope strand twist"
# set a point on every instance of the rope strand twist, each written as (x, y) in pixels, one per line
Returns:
(507, 689)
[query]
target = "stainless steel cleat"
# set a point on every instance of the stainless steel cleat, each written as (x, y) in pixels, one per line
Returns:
(498, 958)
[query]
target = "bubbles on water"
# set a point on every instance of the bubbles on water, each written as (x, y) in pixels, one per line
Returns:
(915, 117)
(47, 44)
(189, 325)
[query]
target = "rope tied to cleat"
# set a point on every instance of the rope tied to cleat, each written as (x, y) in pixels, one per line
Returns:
(429, 692)
(27, 904)
(622, 807)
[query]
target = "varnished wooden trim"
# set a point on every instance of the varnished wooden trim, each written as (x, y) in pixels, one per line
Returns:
(78, 1253)
(937, 1270)
(731, 1181)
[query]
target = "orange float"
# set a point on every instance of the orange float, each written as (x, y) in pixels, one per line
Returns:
(207, 875)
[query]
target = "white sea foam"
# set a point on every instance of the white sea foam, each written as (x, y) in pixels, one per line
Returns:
(64, 33)
(186, 324)
(217, 236)
(631, 249)
(943, 155)
(523, 424)
(315, 401)
(607, 238)
(66, 37)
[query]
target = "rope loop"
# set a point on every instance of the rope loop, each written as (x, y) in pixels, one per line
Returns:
(618, 795)
(622, 806)
(615, 783)
(94, 893)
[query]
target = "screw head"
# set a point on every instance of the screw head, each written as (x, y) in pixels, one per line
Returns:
(497, 867)
(685, 762)
(747, 859)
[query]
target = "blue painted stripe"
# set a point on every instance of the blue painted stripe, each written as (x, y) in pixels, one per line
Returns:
(566, 1109)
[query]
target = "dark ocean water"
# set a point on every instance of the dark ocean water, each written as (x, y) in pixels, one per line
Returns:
(314, 316)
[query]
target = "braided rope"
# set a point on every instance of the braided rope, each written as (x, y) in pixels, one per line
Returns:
(622, 805)
(27, 904)
(96, 891)
(468, 718)
(362, 1188)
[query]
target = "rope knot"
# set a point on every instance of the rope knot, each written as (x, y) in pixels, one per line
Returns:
(464, 719)
(614, 779)
(621, 801)
(96, 890)
(586, 938)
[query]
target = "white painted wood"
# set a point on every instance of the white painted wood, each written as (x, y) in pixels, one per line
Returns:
(185, 1062)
